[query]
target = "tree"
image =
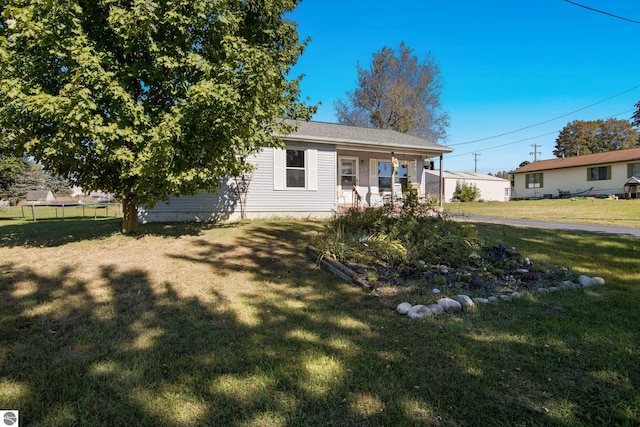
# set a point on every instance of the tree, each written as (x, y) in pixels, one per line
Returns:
(9, 168)
(503, 175)
(588, 137)
(635, 119)
(397, 92)
(147, 99)
(30, 177)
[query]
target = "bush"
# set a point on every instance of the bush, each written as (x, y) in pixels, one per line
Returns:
(466, 192)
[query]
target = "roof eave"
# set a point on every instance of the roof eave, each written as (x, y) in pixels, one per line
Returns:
(368, 145)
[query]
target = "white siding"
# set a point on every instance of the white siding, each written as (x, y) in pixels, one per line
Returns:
(267, 197)
(491, 188)
(317, 199)
(573, 180)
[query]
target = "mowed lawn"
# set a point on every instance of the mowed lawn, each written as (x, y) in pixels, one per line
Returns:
(234, 325)
(582, 210)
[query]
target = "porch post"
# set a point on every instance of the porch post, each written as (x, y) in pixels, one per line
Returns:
(441, 182)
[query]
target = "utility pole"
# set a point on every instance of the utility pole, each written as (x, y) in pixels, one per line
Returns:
(535, 151)
(475, 162)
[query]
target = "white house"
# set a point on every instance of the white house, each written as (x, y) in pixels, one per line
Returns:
(322, 166)
(491, 187)
(601, 174)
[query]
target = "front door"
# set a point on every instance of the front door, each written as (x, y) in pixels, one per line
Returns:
(348, 177)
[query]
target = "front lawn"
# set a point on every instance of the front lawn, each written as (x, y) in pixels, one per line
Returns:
(232, 324)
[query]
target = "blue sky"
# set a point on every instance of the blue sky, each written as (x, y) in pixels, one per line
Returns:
(506, 65)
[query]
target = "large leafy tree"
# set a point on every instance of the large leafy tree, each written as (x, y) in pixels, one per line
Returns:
(597, 136)
(399, 92)
(145, 98)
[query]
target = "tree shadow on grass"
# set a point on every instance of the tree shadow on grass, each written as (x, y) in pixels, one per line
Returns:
(52, 233)
(302, 348)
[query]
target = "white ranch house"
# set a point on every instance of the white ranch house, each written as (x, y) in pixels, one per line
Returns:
(602, 174)
(323, 166)
(491, 187)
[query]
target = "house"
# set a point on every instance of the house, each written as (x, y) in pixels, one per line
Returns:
(491, 187)
(322, 166)
(601, 174)
(40, 196)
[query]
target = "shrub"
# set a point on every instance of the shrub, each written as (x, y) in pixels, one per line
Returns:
(466, 192)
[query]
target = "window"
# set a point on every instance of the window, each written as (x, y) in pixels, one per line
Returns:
(403, 175)
(384, 175)
(600, 173)
(533, 180)
(295, 169)
(633, 169)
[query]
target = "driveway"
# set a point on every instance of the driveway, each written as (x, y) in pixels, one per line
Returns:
(549, 225)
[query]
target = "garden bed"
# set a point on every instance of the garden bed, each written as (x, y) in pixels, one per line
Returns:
(424, 253)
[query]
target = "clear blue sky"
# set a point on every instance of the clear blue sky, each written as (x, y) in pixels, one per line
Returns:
(506, 65)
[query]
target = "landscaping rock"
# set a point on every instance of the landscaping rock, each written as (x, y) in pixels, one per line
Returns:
(586, 281)
(419, 311)
(516, 295)
(479, 301)
(568, 284)
(403, 308)
(599, 280)
(466, 302)
(436, 309)
(450, 305)
(436, 291)
(543, 290)
(505, 297)
(493, 298)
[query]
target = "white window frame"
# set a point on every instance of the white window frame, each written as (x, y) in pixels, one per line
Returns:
(310, 169)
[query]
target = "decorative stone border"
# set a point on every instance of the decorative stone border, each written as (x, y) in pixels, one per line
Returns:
(445, 305)
(465, 303)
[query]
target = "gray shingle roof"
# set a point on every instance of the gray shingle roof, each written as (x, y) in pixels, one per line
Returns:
(334, 133)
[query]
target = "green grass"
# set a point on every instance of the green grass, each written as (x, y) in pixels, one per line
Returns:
(584, 210)
(232, 324)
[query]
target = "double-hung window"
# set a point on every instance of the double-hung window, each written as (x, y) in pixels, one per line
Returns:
(295, 168)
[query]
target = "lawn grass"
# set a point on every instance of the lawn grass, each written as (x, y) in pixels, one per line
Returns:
(232, 324)
(583, 210)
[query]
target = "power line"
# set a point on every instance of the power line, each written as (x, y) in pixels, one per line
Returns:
(602, 11)
(526, 139)
(547, 121)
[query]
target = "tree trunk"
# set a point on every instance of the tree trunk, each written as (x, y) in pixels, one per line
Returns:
(130, 216)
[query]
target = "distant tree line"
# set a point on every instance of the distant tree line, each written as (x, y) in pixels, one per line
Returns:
(581, 137)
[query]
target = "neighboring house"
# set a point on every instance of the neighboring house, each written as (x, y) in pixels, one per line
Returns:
(43, 196)
(320, 166)
(600, 174)
(491, 187)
